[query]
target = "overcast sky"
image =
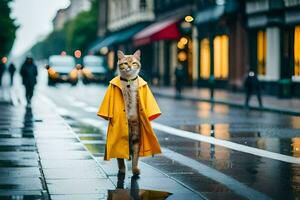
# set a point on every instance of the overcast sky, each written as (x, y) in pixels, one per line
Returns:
(35, 20)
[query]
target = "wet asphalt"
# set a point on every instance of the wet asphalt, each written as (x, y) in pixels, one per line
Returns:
(213, 171)
(44, 155)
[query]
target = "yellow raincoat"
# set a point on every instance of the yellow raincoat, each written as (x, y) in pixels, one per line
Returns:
(113, 109)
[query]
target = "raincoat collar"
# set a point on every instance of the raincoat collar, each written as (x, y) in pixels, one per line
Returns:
(117, 82)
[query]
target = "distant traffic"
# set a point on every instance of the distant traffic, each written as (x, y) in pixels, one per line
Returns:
(66, 69)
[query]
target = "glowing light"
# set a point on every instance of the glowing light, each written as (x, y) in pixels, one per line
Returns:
(63, 53)
(182, 56)
(77, 54)
(4, 60)
(188, 18)
(220, 2)
(182, 42)
(204, 59)
(104, 50)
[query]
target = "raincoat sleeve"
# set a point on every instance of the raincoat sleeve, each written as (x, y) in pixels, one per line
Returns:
(106, 107)
(152, 108)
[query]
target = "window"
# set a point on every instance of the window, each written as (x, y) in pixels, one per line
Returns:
(261, 52)
(221, 53)
(297, 51)
(204, 59)
(143, 5)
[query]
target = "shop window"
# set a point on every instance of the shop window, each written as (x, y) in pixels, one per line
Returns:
(297, 51)
(261, 52)
(204, 59)
(221, 54)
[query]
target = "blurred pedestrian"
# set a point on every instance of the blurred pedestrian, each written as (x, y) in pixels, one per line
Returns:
(2, 70)
(252, 86)
(29, 73)
(179, 75)
(11, 70)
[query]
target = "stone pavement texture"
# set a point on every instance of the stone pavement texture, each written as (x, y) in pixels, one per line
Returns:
(237, 99)
(42, 158)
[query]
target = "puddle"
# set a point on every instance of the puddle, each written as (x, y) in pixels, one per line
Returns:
(133, 192)
(92, 138)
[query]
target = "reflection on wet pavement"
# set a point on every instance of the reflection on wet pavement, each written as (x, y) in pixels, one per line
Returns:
(20, 176)
(134, 192)
(288, 143)
(279, 180)
(91, 137)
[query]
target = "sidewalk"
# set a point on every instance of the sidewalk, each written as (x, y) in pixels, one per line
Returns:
(270, 103)
(42, 158)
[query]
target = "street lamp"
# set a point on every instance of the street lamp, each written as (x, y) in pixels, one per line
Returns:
(188, 18)
(4, 60)
(77, 53)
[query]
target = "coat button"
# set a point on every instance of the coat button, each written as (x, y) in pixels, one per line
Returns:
(123, 110)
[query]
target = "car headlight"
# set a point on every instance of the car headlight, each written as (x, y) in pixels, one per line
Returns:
(73, 74)
(87, 73)
(52, 73)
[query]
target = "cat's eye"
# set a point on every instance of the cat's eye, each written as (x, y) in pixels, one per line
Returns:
(122, 66)
(135, 64)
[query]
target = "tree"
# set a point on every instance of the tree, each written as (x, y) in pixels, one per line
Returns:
(7, 28)
(77, 33)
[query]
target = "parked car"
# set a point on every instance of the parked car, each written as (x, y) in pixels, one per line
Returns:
(94, 69)
(62, 69)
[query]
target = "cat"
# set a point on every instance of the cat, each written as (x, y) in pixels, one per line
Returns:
(129, 67)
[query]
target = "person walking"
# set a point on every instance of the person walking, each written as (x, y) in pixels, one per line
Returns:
(11, 70)
(2, 70)
(252, 86)
(29, 73)
(179, 74)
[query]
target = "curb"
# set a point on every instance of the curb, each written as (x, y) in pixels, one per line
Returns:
(236, 105)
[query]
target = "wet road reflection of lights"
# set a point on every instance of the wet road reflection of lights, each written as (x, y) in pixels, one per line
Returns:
(261, 136)
(134, 192)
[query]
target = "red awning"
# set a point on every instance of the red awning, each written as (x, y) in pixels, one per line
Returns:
(162, 30)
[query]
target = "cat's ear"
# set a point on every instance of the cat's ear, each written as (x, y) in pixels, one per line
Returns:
(120, 55)
(137, 54)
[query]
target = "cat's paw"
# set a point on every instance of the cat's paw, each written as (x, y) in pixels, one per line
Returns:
(136, 171)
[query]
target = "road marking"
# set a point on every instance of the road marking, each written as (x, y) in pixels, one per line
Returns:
(229, 182)
(224, 143)
(92, 141)
(13, 97)
(89, 135)
(91, 109)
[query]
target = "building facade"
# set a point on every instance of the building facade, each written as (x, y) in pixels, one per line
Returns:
(64, 15)
(274, 44)
(217, 41)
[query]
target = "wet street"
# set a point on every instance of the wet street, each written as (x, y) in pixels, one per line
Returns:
(209, 151)
(217, 151)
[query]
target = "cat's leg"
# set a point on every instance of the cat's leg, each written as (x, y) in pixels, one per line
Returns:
(121, 165)
(135, 142)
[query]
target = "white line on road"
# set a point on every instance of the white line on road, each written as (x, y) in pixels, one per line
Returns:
(231, 183)
(224, 143)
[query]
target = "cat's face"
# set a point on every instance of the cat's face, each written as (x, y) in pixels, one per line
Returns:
(129, 65)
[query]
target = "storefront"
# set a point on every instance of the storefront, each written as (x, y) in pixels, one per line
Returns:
(274, 45)
(214, 34)
(158, 44)
(291, 43)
